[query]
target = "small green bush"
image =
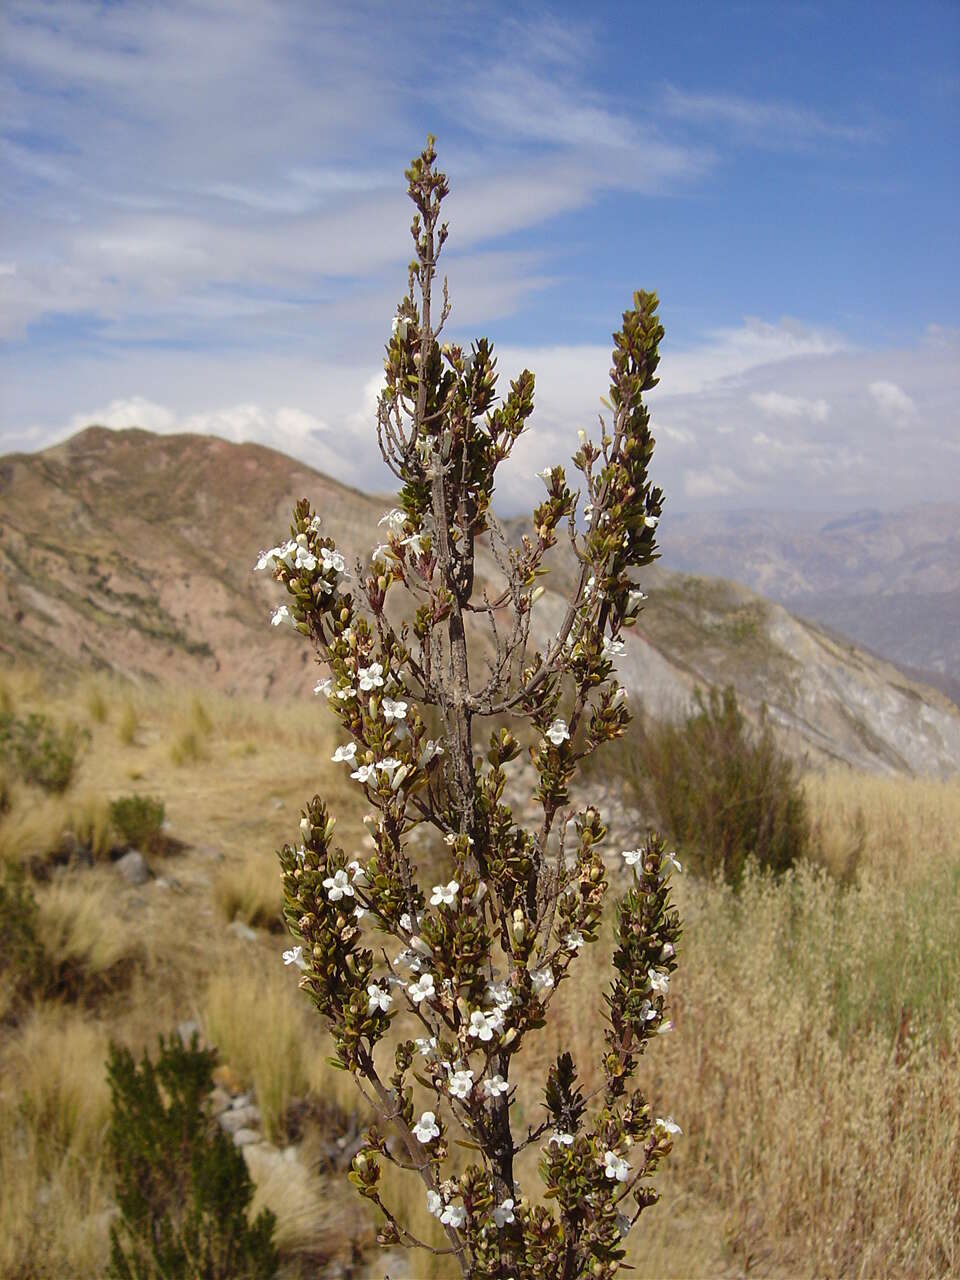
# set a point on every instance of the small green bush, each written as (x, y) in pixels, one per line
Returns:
(182, 1187)
(138, 820)
(42, 754)
(21, 954)
(722, 793)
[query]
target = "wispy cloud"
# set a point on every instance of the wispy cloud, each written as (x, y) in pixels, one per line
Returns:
(768, 123)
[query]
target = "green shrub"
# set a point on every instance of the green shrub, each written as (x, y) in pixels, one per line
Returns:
(42, 754)
(138, 820)
(722, 793)
(182, 1187)
(21, 954)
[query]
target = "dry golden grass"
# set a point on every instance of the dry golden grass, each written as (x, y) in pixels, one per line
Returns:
(249, 890)
(54, 1111)
(87, 945)
(814, 1066)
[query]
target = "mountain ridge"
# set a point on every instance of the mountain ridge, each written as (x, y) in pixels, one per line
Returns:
(134, 552)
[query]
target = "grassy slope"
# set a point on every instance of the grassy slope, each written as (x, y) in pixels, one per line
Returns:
(815, 1066)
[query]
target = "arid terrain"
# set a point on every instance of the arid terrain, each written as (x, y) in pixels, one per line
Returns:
(815, 1061)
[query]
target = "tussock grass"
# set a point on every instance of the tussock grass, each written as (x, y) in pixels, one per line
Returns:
(54, 1110)
(251, 891)
(33, 828)
(261, 1024)
(87, 946)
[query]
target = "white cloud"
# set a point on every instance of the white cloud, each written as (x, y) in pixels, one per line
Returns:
(777, 405)
(715, 482)
(891, 400)
(761, 122)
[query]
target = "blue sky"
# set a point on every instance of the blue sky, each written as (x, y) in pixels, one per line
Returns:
(205, 226)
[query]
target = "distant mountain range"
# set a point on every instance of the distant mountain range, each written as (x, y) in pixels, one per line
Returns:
(888, 580)
(134, 552)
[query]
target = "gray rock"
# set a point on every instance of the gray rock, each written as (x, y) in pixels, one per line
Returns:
(219, 1100)
(246, 1137)
(133, 867)
(234, 1121)
(241, 930)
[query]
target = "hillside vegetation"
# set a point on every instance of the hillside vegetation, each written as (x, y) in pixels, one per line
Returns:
(814, 1066)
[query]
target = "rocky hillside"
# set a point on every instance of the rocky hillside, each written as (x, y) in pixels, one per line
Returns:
(134, 552)
(889, 580)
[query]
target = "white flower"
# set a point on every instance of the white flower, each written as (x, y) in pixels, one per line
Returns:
(306, 828)
(414, 543)
(405, 922)
(659, 981)
(388, 765)
(323, 686)
(365, 772)
(588, 513)
(280, 615)
(379, 552)
(395, 519)
(345, 755)
(670, 861)
(359, 912)
(418, 944)
(371, 677)
(378, 998)
(426, 1046)
(635, 599)
(541, 979)
(481, 1025)
(615, 1166)
(619, 697)
(295, 956)
(345, 694)
(494, 1086)
(560, 1139)
(266, 557)
(500, 993)
(393, 710)
(503, 1213)
(453, 1215)
(422, 989)
(669, 1125)
(399, 327)
(357, 872)
(558, 732)
(426, 1128)
(332, 559)
(647, 1011)
(434, 1203)
(665, 1028)
(613, 648)
(632, 856)
(574, 940)
(651, 521)
(546, 475)
(444, 894)
(338, 886)
(305, 559)
(461, 1083)
(430, 750)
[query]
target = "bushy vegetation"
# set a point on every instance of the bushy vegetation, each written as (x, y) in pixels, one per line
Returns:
(138, 820)
(43, 755)
(182, 1187)
(21, 955)
(723, 793)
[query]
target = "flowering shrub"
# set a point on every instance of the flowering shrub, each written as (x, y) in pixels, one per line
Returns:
(473, 963)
